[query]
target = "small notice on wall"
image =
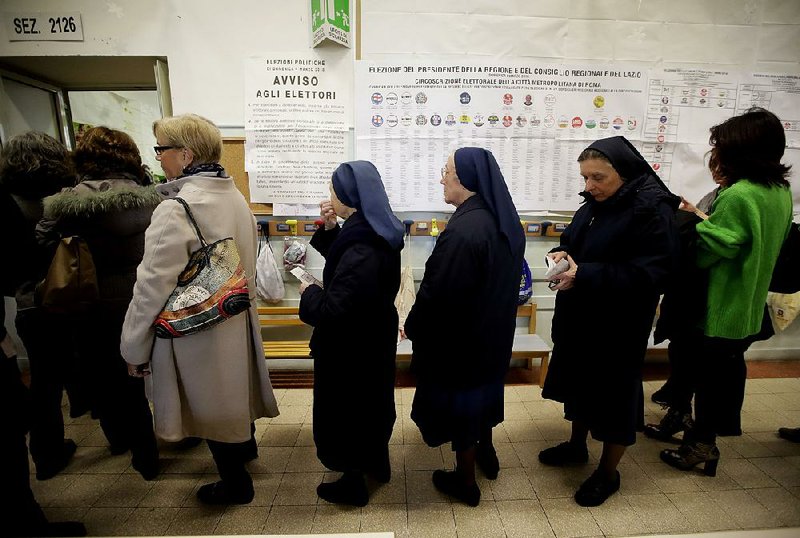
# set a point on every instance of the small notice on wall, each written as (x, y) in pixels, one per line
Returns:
(297, 115)
(330, 21)
(55, 26)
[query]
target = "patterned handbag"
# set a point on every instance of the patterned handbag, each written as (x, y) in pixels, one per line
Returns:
(211, 288)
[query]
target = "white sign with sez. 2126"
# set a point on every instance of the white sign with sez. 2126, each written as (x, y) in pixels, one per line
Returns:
(44, 26)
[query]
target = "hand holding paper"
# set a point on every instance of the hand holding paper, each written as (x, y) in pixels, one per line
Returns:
(305, 277)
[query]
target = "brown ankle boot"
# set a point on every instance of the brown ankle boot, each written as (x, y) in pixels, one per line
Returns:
(691, 454)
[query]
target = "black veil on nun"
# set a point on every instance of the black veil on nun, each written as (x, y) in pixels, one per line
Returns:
(358, 184)
(625, 159)
(478, 171)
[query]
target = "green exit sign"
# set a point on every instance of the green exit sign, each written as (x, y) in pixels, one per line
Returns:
(330, 21)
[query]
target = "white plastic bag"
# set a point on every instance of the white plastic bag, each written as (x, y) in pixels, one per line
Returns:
(269, 282)
(783, 308)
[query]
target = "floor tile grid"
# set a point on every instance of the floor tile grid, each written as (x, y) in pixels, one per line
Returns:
(759, 476)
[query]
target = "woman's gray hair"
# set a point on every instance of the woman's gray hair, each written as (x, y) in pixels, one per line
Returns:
(192, 132)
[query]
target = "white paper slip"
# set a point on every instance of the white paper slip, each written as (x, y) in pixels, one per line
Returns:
(554, 268)
(304, 276)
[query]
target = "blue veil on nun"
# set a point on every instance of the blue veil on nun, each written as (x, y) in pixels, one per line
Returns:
(358, 184)
(478, 171)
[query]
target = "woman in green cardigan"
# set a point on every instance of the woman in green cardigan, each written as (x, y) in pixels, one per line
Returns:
(738, 245)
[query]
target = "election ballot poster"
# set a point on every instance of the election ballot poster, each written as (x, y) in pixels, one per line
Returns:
(534, 117)
(297, 115)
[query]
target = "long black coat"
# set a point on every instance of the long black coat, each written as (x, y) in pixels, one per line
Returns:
(462, 322)
(354, 345)
(625, 248)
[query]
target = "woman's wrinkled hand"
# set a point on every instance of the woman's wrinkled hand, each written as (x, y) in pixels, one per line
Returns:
(328, 214)
(557, 256)
(565, 280)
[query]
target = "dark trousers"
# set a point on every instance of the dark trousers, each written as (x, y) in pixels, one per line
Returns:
(720, 388)
(19, 512)
(46, 343)
(119, 400)
(684, 353)
(231, 459)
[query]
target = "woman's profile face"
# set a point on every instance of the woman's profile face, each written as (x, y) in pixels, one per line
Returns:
(338, 207)
(602, 180)
(170, 159)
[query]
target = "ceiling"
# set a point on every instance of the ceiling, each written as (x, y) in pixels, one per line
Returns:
(86, 72)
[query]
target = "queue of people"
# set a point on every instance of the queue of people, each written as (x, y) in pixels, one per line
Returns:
(624, 249)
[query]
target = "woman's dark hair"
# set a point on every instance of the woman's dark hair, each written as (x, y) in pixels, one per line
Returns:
(106, 153)
(750, 146)
(35, 165)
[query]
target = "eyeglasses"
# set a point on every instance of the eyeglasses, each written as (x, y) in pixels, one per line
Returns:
(161, 149)
(444, 171)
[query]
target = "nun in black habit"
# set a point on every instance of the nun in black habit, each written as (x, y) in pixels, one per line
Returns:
(622, 245)
(355, 332)
(462, 322)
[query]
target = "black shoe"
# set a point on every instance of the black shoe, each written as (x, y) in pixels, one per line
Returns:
(448, 482)
(663, 396)
(486, 458)
(691, 454)
(349, 489)
(564, 454)
(595, 490)
(673, 422)
(790, 434)
(219, 493)
(49, 468)
(148, 468)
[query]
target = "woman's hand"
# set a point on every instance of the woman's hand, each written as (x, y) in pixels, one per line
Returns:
(303, 287)
(328, 214)
(566, 280)
(557, 256)
(139, 370)
(686, 205)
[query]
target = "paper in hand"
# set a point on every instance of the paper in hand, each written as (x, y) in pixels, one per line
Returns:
(304, 276)
(554, 268)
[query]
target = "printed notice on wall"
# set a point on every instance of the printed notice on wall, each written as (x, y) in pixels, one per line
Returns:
(534, 117)
(297, 114)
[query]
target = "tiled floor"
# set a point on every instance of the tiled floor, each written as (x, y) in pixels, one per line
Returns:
(757, 485)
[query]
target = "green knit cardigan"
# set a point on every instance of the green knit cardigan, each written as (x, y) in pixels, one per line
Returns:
(739, 244)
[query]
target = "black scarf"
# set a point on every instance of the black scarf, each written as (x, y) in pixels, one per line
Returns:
(196, 169)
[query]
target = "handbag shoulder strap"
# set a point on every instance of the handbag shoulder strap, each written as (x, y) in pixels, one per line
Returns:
(191, 219)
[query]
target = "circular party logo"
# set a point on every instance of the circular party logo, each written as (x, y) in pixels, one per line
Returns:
(477, 120)
(391, 120)
(507, 121)
(450, 120)
(599, 101)
(436, 120)
(405, 97)
(391, 99)
(464, 98)
(421, 120)
(377, 120)
(377, 98)
(421, 98)
(617, 123)
(508, 99)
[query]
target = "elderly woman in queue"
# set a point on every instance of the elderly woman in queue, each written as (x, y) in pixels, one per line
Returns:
(621, 246)
(355, 332)
(738, 244)
(212, 384)
(110, 209)
(462, 322)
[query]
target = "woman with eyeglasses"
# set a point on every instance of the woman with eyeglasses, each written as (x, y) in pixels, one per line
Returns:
(621, 247)
(211, 384)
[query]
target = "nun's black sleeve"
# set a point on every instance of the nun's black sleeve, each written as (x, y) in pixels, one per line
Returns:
(323, 239)
(353, 284)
